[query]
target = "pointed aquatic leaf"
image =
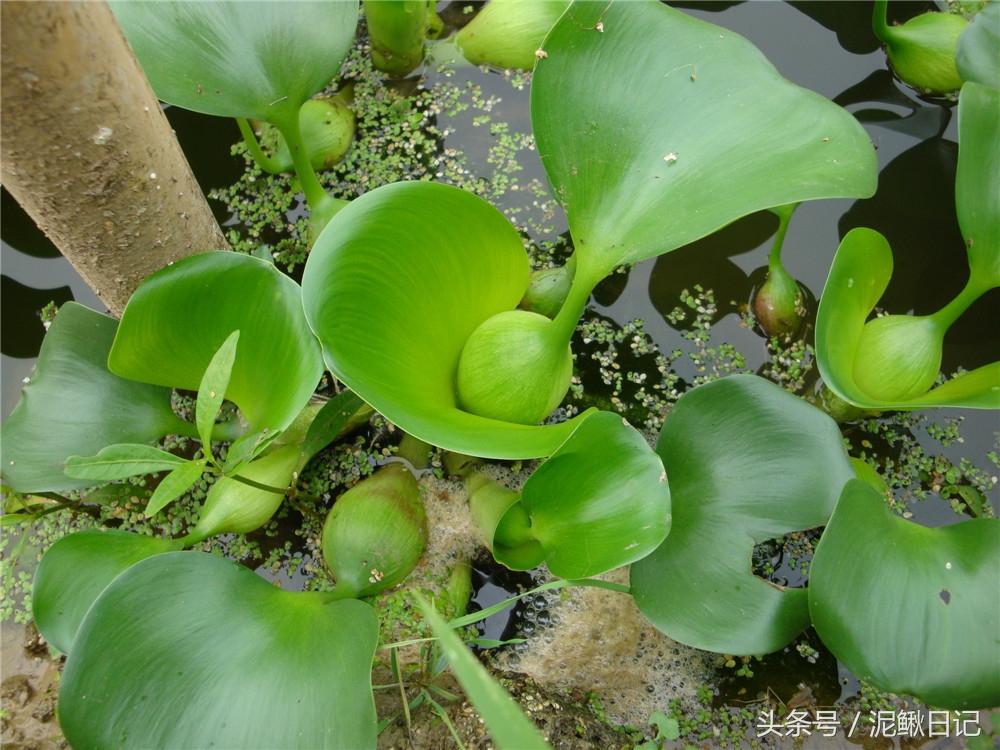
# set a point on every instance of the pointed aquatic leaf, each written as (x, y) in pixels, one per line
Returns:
(121, 461)
(509, 728)
(858, 277)
(977, 183)
(73, 405)
(190, 650)
(174, 484)
(180, 316)
(908, 608)
(393, 288)
(335, 415)
(978, 56)
(212, 390)
(747, 462)
(238, 59)
(600, 502)
(247, 447)
(650, 144)
(74, 572)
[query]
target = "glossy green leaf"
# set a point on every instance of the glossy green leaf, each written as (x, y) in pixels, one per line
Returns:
(72, 405)
(190, 650)
(858, 277)
(74, 572)
(180, 316)
(238, 59)
(121, 461)
(212, 390)
(977, 183)
(393, 288)
(599, 502)
(174, 484)
(509, 728)
(747, 462)
(650, 144)
(978, 56)
(908, 608)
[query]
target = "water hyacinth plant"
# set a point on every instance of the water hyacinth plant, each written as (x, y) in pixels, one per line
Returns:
(418, 300)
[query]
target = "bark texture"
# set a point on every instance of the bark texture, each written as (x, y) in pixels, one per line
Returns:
(88, 152)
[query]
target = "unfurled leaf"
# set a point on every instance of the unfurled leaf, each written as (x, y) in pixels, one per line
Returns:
(180, 316)
(212, 390)
(175, 484)
(439, 261)
(246, 448)
(238, 59)
(336, 414)
(650, 145)
(73, 406)
(190, 650)
(74, 572)
(599, 502)
(907, 608)
(509, 728)
(747, 462)
(121, 461)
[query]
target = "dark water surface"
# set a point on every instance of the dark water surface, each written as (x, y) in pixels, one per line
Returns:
(827, 47)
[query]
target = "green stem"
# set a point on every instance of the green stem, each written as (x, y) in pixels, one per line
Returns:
(948, 314)
(258, 485)
(316, 196)
(584, 280)
(880, 24)
(784, 214)
(262, 160)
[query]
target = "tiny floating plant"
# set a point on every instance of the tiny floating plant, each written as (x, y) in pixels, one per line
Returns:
(893, 361)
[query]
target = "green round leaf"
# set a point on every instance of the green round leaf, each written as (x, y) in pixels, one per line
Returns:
(190, 650)
(656, 128)
(907, 608)
(73, 406)
(600, 502)
(747, 462)
(977, 183)
(393, 288)
(180, 316)
(858, 277)
(978, 56)
(74, 572)
(238, 59)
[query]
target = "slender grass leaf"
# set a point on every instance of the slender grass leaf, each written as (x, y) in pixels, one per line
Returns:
(509, 727)
(212, 390)
(329, 422)
(121, 461)
(175, 484)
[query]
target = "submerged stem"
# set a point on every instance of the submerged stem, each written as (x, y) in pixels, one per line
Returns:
(262, 160)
